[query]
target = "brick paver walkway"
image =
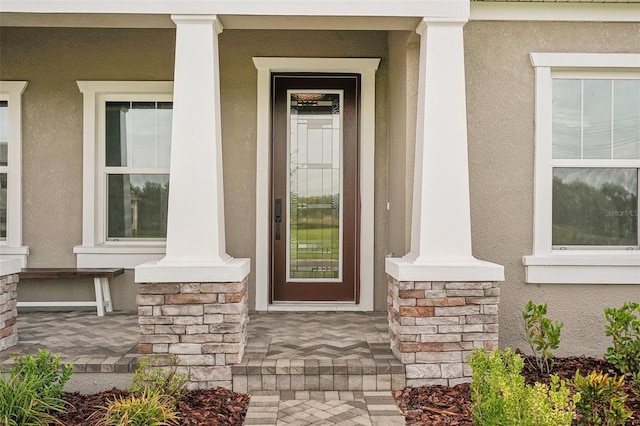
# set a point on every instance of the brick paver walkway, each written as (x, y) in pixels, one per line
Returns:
(301, 408)
(91, 343)
(323, 344)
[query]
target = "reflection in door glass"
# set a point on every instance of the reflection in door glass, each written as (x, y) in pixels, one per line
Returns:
(314, 242)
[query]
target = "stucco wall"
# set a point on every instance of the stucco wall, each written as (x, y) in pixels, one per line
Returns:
(500, 99)
(52, 59)
(238, 86)
(404, 58)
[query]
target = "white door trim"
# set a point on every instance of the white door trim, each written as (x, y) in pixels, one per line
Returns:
(366, 67)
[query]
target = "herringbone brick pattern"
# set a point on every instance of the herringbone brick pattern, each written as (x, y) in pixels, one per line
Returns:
(323, 409)
(318, 351)
(339, 335)
(93, 344)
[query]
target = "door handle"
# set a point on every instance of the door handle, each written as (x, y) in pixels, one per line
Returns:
(277, 216)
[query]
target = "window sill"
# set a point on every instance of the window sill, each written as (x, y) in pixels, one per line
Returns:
(117, 255)
(597, 267)
(21, 253)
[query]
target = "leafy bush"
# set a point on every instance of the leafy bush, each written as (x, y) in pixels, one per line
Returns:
(635, 384)
(500, 396)
(45, 366)
(602, 399)
(156, 375)
(624, 328)
(154, 392)
(145, 409)
(33, 389)
(542, 335)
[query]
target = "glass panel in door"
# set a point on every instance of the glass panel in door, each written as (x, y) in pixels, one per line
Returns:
(314, 204)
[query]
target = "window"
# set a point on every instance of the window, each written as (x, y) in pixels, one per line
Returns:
(137, 150)
(127, 145)
(587, 169)
(11, 171)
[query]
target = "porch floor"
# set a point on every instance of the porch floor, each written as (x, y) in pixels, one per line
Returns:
(318, 351)
(91, 343)
(301, 368)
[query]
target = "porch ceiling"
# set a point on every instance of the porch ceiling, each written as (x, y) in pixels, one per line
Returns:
(229, 22)
(234, 14)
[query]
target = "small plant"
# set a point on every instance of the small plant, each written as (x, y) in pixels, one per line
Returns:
(155, 375)
(624, 328)
(501, 397)
(47, 367)
(542, 335)
(33, 389)
(145, 409)
(635, 384)
(602, 399)
(154, 392)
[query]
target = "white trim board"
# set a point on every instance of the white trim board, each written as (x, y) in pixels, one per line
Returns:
(366, 67)
(546, 11)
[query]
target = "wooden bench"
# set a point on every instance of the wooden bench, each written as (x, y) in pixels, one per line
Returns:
(100, 282)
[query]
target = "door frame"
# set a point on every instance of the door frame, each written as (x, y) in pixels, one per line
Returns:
(366, 67)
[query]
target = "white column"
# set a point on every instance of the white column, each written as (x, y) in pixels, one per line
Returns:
(196, 229)
(441, 224)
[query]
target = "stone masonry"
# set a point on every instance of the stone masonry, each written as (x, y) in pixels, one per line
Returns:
(8, 311)
(435, 325)
(203, 324)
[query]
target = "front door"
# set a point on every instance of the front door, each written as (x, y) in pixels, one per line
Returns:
(315, 188)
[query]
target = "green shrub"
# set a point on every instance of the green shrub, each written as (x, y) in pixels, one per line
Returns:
(500, 396)
(602, 399)
(542, 335)
(624, 328)
(33, 390)
(635, 384)
(47, 367)
(159, 375)
(145, 409)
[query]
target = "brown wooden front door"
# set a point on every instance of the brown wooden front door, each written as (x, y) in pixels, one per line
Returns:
(315, 187)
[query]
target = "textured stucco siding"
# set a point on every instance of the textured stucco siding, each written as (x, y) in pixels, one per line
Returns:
(501, 120)
(500, 100)
(52, 59)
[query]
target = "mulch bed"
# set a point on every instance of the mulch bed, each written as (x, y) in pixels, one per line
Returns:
(444, 406)
(428, 405)
(211, 407)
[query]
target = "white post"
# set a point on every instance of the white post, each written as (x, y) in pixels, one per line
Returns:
(441, 224)
(196, 230)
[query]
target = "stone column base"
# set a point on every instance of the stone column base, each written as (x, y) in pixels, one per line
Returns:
(203, 324)
(8, 311)
(434, 326)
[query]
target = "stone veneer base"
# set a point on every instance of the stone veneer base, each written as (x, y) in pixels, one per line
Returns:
(8, 311)
(203, 324)
(434, 326)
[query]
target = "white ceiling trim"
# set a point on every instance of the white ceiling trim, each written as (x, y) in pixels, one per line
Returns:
(400, 8)
(548, 11)
(229, 22)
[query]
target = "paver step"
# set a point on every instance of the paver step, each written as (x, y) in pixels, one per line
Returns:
(318, 375)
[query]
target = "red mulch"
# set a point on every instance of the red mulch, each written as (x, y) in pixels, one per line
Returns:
(211, 407)
(443, 405)
(428, 405)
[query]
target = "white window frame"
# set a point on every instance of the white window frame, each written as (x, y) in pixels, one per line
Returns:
(96, 250)
(548, 265)
(11, 247)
